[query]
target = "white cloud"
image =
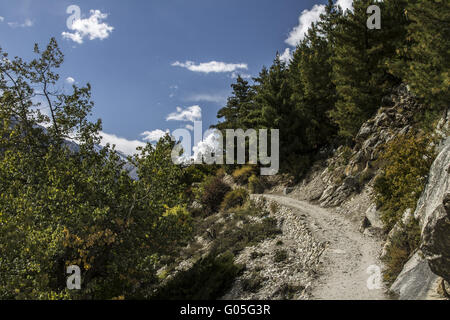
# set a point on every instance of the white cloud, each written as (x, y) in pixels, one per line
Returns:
(206, 97)
(126, 146)
(235, 74)
(2, 19)
(345, 4)
(70, 80)
(154, 135)
(91, 27)
(212, 66)
(28, 23)
(193, 113)
(307, 17)
(286, 57)
(208, 145)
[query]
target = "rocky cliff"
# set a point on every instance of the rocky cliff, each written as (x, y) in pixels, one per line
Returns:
(345, 182)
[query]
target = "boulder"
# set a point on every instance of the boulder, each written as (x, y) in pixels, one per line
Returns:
(373, 216)
(415, 281)
(433, 213)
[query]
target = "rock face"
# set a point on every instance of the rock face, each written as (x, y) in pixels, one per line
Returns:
(433, 212)
(422, 271)
(416, 280)
(350, 170)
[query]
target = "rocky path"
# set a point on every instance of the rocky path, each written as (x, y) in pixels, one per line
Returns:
(350, 260)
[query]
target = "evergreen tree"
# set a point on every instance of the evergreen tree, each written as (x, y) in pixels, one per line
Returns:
(239, 106)
(428, 69)
(359, 60)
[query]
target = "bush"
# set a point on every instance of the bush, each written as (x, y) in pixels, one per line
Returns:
(234, 199)
(242, 175)
(235, 238)
(274, 207)
(252, 284)
(208, 279)
(403, 244)
(212, 193)
(407, 161)
(255, 185)
(280, 256)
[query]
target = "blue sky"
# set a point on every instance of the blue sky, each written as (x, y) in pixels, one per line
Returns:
(148, 59)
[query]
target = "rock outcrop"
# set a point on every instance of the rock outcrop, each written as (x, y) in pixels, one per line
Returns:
(421, 273)
(350, 170)
(433, 213)
(345, 182)
(416, 280)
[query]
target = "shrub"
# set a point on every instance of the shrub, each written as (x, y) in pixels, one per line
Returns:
(242, 175)
(235, 238)
(402, 245)
(234, 199)
(255, 185)
(208, 279)
(274, 207)
(407, 161)
(280, 256)
(253, 283)
(212, 193)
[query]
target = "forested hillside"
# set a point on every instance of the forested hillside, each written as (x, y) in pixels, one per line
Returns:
(339, 74)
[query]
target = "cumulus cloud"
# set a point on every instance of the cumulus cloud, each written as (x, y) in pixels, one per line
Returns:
(209, 145)
(91, 27)
(28, 23)
(2, 19)
(212, 66)
(235, 74)
(206, 97)
(286, 57)
(70, 80)
(126, 146)
(345, 4)
(154, 135)
(191, 114)
(307, 17)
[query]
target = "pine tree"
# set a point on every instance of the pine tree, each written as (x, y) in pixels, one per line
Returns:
(359, 60)
(428, 69)
(239, 106)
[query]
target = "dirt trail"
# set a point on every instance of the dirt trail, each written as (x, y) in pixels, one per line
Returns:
(348, 257)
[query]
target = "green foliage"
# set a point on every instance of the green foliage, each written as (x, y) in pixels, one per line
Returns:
(235, 238)
(280, 256)
(61, 207)
(241, 175)
(407, 162)
(211, 194)
(253, 283)
(208, 279)
(255, 185)
(359, 71)
(234, 199)
(402, 245)
(274, 207)
(427, 52)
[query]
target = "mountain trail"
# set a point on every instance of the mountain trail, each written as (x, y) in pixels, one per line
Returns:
(350, 264)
